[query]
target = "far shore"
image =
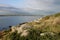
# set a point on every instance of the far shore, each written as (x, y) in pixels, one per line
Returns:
(21, 15)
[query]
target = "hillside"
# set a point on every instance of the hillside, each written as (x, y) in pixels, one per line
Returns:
(48, 23)
(46, 28)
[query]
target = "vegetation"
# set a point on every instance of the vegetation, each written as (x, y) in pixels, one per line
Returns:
(47, 28)
(33, 35)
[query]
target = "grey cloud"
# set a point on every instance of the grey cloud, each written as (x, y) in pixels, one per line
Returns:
(49, 6)
(57, 2)
(41, 6)
(44, 4)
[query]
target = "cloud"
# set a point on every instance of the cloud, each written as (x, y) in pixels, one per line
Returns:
(5, 5)
(2, 5)
(42, 4)
(38, 4)
(3, 11)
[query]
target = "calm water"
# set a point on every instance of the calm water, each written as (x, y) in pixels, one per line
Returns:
(6, 21)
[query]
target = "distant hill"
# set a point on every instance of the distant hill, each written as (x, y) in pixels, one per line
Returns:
(12, 11)
(46, 28)
(8, 10)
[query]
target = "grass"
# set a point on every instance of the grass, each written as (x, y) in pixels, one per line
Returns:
(49, 26)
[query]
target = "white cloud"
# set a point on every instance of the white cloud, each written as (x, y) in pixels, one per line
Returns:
(39, 4)
(2, 5)
(35, 6)
(42, 6)
(5, 5)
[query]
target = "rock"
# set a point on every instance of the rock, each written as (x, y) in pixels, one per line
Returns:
(47, 33)
(42, 34)
(13, 29)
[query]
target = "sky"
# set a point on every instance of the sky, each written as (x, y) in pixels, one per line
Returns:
(29, 5)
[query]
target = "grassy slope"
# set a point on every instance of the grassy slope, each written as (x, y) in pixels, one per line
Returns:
(49, 25)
